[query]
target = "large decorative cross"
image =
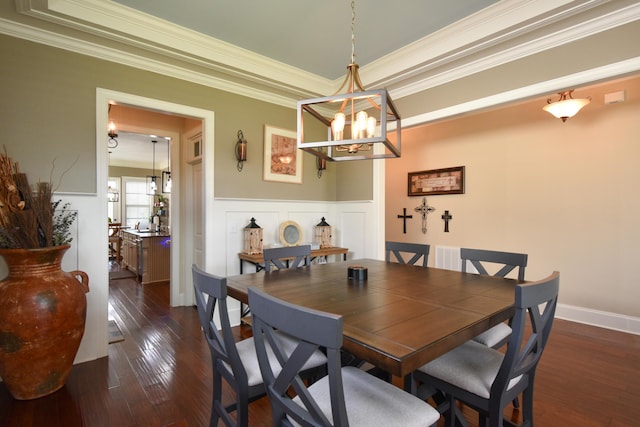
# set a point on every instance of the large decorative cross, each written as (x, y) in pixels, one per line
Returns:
(447, 217)
(404, 217)
(424, 210)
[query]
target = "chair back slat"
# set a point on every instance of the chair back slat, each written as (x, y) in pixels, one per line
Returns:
(312, 330)
(211, 292)
(415, 249)
(531, 326)
(509, 261)
(287, 257)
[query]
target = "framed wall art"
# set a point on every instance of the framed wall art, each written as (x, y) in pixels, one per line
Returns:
(437, 181)
(282, 159)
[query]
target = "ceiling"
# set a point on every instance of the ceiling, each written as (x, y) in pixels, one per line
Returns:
(135, 150)
(313, 35)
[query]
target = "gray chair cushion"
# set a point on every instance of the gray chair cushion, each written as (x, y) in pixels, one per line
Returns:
(247, 351)
(472, 367)
(373, 402)
(494, 335)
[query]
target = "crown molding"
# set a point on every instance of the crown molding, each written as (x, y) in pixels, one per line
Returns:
(100, 51)
(467, 47)
(550, 86)
(121, 24)
(423, 64)
(522, 50)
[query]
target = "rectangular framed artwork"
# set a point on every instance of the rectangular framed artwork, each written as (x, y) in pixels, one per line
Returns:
(437, 181)
(282, 159)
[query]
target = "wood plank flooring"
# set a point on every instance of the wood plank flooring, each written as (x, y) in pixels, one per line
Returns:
(160, 375)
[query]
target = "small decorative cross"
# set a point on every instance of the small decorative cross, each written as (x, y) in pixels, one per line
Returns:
(404, 217)
(424, 210)
(446, 218)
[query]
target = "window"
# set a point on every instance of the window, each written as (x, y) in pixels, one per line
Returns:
(137, 203)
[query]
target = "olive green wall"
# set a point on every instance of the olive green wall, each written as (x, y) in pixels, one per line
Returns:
(48, 112)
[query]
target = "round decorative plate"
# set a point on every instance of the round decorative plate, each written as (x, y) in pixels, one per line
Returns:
(290, 233)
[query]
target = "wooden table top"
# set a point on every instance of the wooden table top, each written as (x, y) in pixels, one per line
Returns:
(259, 258)
(401, 317)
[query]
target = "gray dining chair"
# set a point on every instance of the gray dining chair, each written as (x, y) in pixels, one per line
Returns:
(415, 249)
(486, 379)
(287, 257)
(345, 396)
(506, 262)
(236, 363)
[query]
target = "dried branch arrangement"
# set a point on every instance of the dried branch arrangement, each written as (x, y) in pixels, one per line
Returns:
(28, 217)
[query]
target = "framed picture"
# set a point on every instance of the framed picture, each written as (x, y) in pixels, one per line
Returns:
(437, 181)
(282, 159)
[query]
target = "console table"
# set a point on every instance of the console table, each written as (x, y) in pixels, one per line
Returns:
(258, 259)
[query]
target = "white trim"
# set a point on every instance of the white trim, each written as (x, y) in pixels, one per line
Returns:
(522, 50)
(181, 293)
(409, 69)
(602, 319)
(549, 86)
(140, 62)
(488, 28)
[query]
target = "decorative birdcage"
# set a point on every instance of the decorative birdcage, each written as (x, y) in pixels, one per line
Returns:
(322, 234)
(252, 238)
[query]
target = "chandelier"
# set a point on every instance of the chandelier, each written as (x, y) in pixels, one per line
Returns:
(356, 122)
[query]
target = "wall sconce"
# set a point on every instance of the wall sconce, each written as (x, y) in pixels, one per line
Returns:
(112, 132)
(321, 164)
(566, 106)
(241, 150)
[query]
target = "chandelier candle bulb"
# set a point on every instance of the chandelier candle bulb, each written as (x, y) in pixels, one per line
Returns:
(337, 126)
(371, 127)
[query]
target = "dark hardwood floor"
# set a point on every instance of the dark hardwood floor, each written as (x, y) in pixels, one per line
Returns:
(160, 375)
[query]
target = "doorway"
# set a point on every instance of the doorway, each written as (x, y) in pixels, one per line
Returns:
(183, 246)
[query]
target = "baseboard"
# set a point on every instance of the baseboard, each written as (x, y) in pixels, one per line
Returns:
(599, 318)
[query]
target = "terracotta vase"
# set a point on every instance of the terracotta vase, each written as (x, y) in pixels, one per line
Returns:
(42, 318)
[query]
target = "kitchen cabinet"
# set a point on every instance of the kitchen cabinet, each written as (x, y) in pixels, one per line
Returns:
(148, 254)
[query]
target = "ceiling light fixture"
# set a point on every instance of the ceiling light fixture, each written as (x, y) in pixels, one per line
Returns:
(152, 181)
(360, 116)
(566, 106)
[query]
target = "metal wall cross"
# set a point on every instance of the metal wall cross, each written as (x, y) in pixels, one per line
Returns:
(447, 217)
(424, 210)
(404, 217)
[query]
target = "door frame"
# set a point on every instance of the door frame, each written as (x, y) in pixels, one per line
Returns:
(181, 280)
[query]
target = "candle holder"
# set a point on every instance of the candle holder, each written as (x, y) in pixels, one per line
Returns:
(322, 234)
(252, 238)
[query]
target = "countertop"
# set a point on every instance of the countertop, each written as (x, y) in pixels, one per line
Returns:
(144, 233)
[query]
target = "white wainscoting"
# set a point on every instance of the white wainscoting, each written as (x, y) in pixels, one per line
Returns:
(351, 222)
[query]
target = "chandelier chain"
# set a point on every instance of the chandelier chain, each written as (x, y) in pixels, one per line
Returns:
(353, 32)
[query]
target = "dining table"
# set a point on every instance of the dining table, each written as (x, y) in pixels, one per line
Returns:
(396, 317)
